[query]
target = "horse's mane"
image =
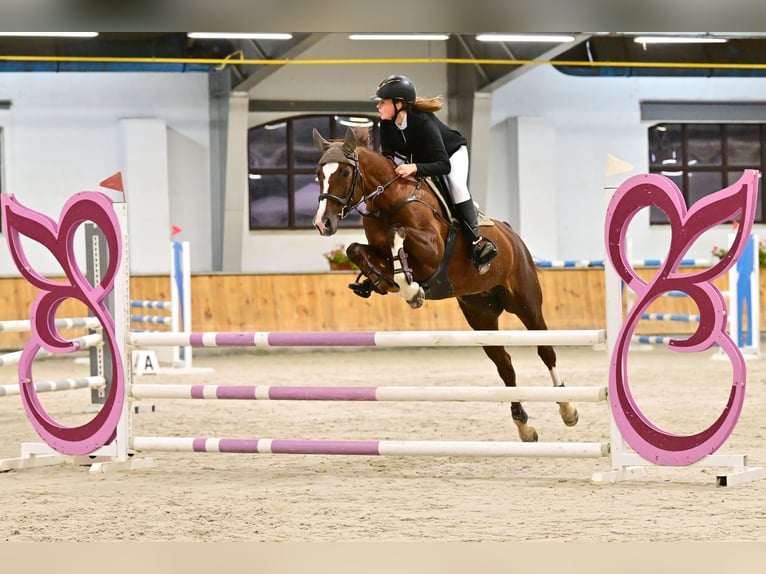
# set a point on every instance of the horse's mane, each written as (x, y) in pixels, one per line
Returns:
(363, 139)
(362, 135)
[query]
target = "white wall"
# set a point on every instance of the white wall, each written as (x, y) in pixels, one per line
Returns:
(63, 135)
(589, 118)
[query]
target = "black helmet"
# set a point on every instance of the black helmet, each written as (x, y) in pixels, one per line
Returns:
(395, 88)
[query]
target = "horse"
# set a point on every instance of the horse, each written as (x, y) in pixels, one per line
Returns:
(415, 251)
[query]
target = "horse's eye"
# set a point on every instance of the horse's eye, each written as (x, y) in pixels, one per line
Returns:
(346, 172)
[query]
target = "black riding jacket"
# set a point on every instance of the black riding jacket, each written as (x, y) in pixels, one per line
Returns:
(427, 142)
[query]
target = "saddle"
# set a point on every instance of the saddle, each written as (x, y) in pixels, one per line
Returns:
(439, 187)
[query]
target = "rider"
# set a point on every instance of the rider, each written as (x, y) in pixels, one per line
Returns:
(410, 129)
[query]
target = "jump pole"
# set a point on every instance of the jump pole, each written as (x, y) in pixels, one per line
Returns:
(51, 386)
(369, 338)
(368, 394)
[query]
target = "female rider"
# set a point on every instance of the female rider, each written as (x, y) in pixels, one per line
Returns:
(410, 130)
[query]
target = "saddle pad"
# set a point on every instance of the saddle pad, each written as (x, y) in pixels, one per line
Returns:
(483, 220)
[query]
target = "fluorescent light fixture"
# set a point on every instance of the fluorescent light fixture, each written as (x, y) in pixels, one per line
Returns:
(678, 40)
(365, 124)
(52, 34)
(525, 38)
(398, 36)
(239, 36)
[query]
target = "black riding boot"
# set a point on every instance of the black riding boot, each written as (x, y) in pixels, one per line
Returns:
(482, 249)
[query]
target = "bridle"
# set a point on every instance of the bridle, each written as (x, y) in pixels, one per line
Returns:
(346, 201)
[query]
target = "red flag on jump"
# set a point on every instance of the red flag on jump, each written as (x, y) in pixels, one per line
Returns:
(113, 182)
(175, 230)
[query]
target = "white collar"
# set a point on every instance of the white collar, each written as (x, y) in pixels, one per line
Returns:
(403, 126)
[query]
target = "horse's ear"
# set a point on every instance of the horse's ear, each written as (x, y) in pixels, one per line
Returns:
(321, 143)
(349, 144)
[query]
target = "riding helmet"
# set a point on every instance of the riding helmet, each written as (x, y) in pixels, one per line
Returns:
(395, 87)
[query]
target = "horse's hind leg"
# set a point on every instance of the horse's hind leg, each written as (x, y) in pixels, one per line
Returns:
(482, 312)
(531, 314)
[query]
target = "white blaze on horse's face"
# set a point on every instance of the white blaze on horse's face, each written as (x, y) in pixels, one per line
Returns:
(327, 170)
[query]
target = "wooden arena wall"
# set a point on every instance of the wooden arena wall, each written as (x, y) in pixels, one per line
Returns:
(573, 299)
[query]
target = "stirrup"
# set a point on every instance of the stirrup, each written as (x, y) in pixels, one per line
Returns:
(483, 251)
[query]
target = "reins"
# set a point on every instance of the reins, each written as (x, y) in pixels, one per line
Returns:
(381, 214)
(369, 198)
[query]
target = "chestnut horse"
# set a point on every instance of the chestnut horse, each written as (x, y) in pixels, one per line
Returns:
(415, 250)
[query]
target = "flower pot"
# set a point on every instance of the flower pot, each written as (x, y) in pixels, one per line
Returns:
(344, 266)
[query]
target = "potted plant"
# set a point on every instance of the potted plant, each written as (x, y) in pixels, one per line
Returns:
(720, 252)
(338, 259)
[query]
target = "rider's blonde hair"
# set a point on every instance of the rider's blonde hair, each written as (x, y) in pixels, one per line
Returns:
(426, 104)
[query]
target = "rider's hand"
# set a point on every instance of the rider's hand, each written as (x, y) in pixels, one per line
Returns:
(406, 169)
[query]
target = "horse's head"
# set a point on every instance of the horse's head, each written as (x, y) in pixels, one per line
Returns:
(338, 174)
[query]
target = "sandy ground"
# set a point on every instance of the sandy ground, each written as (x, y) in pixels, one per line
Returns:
(274, 498)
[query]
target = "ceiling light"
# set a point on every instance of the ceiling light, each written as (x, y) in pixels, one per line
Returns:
(525, 38)
(678, 40)
(239, 36)
(52, 34)
(352, 124)
(398, 36)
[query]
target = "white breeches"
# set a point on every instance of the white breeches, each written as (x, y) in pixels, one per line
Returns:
(458, 175)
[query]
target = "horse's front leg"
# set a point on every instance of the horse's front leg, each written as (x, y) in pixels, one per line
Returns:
(377, 269)
(409, 289)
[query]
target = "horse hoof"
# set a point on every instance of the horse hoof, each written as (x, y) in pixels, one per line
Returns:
(417, 301)
(526, 433)
(569, 415)
(530, 435)
(483, 268)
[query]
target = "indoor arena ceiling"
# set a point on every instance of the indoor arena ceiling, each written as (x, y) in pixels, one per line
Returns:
(41, 53)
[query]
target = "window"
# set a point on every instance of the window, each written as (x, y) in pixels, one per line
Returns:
(704, 158)
(282, 163)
